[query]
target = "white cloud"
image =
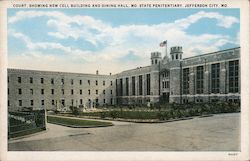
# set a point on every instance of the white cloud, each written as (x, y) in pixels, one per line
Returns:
(119, 40)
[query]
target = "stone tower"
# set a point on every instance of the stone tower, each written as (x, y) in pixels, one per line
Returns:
(176, 53)
(154, 76)
(175, 74)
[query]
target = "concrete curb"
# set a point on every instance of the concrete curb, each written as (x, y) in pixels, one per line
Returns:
(73, 126)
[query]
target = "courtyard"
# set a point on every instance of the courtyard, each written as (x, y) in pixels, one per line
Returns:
(220, 132)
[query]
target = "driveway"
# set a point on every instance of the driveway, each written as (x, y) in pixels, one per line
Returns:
(216, 133)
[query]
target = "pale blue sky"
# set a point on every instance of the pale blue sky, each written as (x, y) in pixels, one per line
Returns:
(111, 40)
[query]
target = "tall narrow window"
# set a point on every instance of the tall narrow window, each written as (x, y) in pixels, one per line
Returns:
(52, 91)
(31, 102)
(133, 85)
(215, 78)
(72, 81)
(31, 80)
(140, 84)
(111, 83)
(52, 80)
(19, 91)
(42, 80)
(199, 80)
(234, 76)
(148, 84)
(72, 91)
(80, 92)
(42, 91)
(62, 91)
(185, 81)
(96, 82)
(127, 86)
(103, 83)
(42, 102)
(62, 81)
(121, 87)
(19, 79)
(20, 102)
(31, 91)
(80, 82)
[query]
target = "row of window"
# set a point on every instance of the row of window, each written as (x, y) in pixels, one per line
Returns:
(52, 81)
(140, 86)
(215, 78)
(165, 84)
(62, 102)
(62, 91)
(198, 100)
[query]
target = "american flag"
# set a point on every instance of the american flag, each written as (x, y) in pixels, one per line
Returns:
(164, 43)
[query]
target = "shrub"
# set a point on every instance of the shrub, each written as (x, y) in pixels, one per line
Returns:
(74, 110)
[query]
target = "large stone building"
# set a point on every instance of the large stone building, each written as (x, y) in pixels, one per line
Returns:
(204, 78)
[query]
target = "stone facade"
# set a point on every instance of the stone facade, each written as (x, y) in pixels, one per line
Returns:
(204, 78)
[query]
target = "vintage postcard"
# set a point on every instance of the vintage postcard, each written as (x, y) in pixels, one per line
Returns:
(124, 80)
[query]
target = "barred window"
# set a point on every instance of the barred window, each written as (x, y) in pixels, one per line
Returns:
(185, 81)
(234, 76)
(199, 80)
(215, 76)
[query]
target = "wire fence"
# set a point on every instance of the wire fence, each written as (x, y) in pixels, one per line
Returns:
(24, 123)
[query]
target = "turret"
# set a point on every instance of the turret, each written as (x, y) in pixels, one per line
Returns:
(176, 53)
(155, 58)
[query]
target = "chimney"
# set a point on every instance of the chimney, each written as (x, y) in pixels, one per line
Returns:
(97, 72)
(110, 73)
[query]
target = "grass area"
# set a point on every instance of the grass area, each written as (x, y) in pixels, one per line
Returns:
(27, 132)
(76, 122)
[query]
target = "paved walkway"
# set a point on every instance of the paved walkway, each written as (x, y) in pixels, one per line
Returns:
(220, 132)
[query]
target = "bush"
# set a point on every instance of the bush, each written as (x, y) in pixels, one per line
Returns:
(74, 110)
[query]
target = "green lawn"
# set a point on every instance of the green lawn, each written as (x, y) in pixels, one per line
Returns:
(76, 122)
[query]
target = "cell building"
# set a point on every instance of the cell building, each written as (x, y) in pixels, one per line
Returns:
(208, 77)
